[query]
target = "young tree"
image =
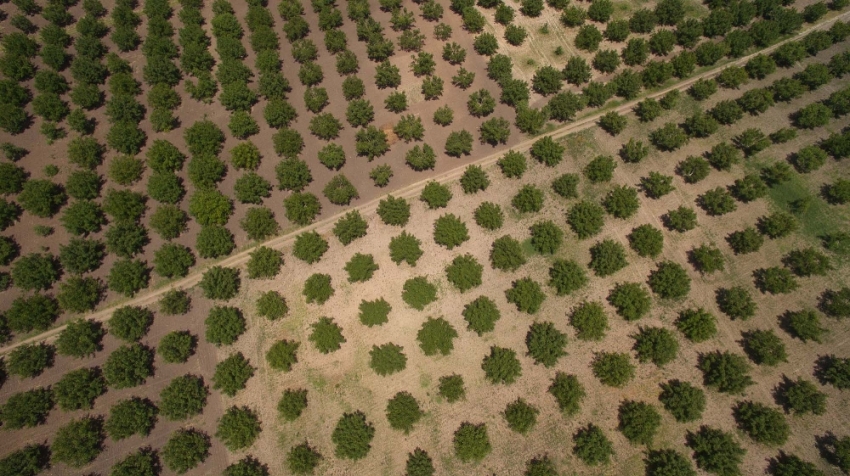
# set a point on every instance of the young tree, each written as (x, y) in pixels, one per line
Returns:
(471, 442)
(78, 443)
(592, 446)
(639, 421)
(185, 449)
(715, 451)
(683, 400)
(352, 436)
(725, 372)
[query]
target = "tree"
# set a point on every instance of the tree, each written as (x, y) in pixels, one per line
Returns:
(173, 260)
(471, 442)
(613, 369)
(403, 412)
(309, 247)
(450, 231)
(81, 338)
(302, 208)
(292, 404)
(762, 423)
(185, 449)
(775, 280)
(27, 461)
(777, 225)
(219, 282)
(360, 268)
(812, 116)
(568, 392)
(528, 199)
(495, 131)
(639, 421)
(588, 38)
(801, 397)
(232, 373)
(656, 344)
(78, 294)
(238, 428)
(736, 302)
(807, 262)
(786, 464)
(545, 343)
(177, 346)
(697, 325)
(30, 360)
(566, 276)
(133, 416)
(621, 201)
(725, 372)
(715, 451)
(764, 347)
(326, 335)
(78, 443)
(474, 179)
(418, 292)
(128, 366)
(247, 466)
(706, 259)
(586, 219)
(302, 459)
(352, 436)
(592, 446)
(36, 312)
(224, 325)
(526, 294)
(318, 288)
(405, 247)
(371, 142)
(130, 323)
(35, 271)
(683, 400)
(458, 143)
(210, 207)
(340, 191)
(26, 409)
(78, 389)
(512, 164)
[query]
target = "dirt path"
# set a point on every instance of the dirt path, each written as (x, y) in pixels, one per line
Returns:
(413, 190)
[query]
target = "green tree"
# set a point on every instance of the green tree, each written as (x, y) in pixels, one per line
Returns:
(526, 294)
(762, 423)
(471, 442)
(219, 282)
(607, 257)
(403, 412)
(232, 374)
(613, 369)
(326, 335)
(545, 343)
(592, 446)
(81, 338)
(78, 442)
(566, 276)
(224, 325)
(35, 271)
(683, 400)
(133, 416)
(238, 428)
(725, 372)
(639, 421)
(128, 366)
(26, 409)
(177, 346)
(736, 302)
(586, 219)
(352, 436)
(764, 347)
(185, 449)
(716, 451)
(30, 360)
(78, 389)
(697, 325)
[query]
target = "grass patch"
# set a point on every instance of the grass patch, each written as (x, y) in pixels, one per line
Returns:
(815, 216)
(580, 144)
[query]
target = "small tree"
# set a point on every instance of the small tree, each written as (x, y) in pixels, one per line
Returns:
(715, 451)
(81, 338)
(725, 372)
(613, 369)
(303, 459)
(133, 416)
(177, 346)
(707, 259)
(30, 360)
(639, 421)
(403, 412)
(592, 446)
(78, 443)
(418, 292)
(78, 389)
(27, 409)
(764, 347)
(697, 325)
(471, 442)
(526, 294)
(586, 219)
(736, 302)
(450, 231)
(607, 257)
(394, 211)
(360, 268)
(282, 355)
(292, 404)
(762, 423)
(128, 366)
(309, 247)
(238, 428)
(683, 400)
(318, 288)
(224, 325)
(657, 185)
(186, 449)
(326, 335)
(352, 436)
(232, 373)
